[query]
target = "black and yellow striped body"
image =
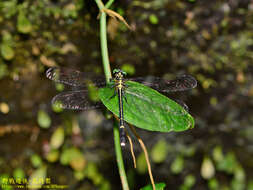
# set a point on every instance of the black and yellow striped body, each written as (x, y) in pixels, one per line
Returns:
(119, 85)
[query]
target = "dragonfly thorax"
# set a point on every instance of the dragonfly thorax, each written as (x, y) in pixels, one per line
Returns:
(119, 78)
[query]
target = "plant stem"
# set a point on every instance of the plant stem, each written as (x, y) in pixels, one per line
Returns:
(108, 75)
(119, 157)
(109, 3)
(104, 49)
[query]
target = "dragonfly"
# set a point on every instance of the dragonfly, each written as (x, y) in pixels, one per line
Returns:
(78, 98)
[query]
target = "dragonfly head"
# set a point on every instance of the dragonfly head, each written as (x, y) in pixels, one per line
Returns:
(119, 74)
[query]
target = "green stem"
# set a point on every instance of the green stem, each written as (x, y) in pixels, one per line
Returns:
(100, 4)
(109, 3)
(104, 49)
(119, 157)
(108, 75)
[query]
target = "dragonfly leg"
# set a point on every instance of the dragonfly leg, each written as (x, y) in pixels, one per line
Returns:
(115, 93)
(113, 86)
(123, 94)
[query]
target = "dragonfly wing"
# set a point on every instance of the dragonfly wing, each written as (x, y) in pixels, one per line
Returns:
(181, 103)
(73, 77)
(77, 100)
(181, 83)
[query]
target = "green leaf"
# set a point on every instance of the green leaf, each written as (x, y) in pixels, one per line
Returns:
(43, 119)
(23, 24)
(56, 107)
(177, 165)
(147, 109)
(250, 185)
(159, 151)
(213, 184)
(207, 168)
(4, 181)
(79, 175)
(153, 19)
(57, 138)
(218, 154)
(3, 70)
(239, 173)
(158, 186)
(105, 185)
(92, 173)
(74, 157)
(8, 8)
(59, 87)
(19, 173)
(189, 180)
(36, 160)
(128, 68)
(237, 184)
(6, 46)
(38, 177)
(228, 164)
(70, 10)
(92, 170)
(53, 155)
(141, 164)
(7, 51)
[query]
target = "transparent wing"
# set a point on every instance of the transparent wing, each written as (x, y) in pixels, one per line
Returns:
(181, 103)
(181, 83)
(73, 77)
(77, 100)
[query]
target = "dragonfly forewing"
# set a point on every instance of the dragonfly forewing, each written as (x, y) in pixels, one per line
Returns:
(77, 100)
(181, 83)
(181, 103)
(74, 78)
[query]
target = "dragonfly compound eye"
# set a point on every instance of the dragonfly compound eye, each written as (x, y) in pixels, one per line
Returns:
(115, 71)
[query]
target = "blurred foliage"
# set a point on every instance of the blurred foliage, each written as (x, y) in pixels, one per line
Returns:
(153, 19)
(7, 44)
(207, 168)
(210, 40)
(177, 165)
(57, 138)
(38, 177)
(19, 173)
(141, 164)
(44, 119)
(189, 182)
(159, 152)
(128, 68)
(36, 160)
(3, 182)
(213, 184)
